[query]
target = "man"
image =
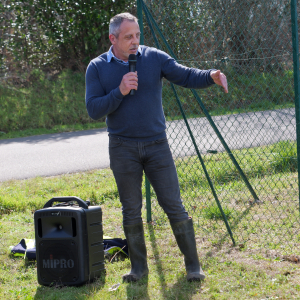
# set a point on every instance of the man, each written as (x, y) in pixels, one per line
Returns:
(137, 137)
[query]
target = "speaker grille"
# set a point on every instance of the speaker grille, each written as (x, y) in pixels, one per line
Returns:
(55, 212)
(58, 261)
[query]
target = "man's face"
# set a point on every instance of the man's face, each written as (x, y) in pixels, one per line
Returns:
(128, 40)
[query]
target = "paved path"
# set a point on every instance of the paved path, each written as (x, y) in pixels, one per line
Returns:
(239, 131)
(54, 154)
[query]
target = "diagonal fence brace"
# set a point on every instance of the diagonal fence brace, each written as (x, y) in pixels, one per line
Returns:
(234, 161)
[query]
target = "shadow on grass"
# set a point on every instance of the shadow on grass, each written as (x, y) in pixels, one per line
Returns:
(235, 224)
(58, 291)
(181, 290)
(138, 290)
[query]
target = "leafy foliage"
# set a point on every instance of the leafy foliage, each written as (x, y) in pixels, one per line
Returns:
(213, 31)
(61, 34)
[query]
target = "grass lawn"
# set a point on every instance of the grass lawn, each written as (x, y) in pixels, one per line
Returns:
(245, 271)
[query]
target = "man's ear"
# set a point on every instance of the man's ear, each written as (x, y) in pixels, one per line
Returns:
(112, 38)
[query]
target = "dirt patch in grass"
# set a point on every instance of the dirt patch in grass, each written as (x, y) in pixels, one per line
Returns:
(271, 262)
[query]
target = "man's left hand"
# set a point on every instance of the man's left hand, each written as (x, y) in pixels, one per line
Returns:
(220, 79)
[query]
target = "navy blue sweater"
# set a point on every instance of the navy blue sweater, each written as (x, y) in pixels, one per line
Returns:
(140, 116)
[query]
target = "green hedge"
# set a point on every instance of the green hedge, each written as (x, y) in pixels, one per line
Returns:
(45, 102)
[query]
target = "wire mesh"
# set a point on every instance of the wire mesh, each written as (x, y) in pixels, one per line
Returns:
(251, 42)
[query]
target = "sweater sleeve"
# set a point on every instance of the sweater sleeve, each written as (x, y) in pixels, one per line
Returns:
(184, 76)
(98, 104)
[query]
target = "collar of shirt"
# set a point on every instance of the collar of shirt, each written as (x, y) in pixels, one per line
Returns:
(110, 55)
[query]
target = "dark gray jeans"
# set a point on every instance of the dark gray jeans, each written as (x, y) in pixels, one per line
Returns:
(128, 160)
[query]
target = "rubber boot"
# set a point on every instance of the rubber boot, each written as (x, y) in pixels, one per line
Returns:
(137, 252)
(185, 237)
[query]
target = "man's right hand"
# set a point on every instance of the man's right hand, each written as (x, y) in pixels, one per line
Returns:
(128, 83)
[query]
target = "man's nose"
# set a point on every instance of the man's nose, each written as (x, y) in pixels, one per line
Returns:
(136, 40)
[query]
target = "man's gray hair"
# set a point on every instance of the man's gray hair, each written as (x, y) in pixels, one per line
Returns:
(116, 21)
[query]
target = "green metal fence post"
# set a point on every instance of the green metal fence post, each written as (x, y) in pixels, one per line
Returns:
(148, 200)
(140, 20)
(296, 80)
(147, 183)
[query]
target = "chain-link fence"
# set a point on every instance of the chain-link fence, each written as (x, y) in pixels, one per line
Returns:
(236, 153)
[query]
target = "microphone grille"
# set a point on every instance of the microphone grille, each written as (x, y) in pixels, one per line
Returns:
(132, 57)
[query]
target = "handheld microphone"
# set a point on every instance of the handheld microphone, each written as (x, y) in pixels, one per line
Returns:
(132, 67)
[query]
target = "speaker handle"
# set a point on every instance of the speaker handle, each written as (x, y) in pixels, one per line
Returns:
(80, 202)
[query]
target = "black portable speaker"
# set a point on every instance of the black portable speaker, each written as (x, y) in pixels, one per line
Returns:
(69, 242)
